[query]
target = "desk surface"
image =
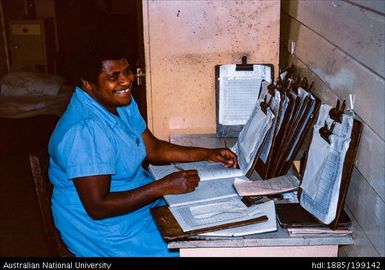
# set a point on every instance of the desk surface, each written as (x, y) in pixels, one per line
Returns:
(279, 238)
(273, 239)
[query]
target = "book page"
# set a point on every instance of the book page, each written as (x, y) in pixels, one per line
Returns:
(206, 170)
(271, 186)
(160, 171)
(238, 92)
(210, 170)
(205, 192)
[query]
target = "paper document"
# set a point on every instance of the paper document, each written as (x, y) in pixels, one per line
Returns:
(267, 208)
(206, 170)
(210, 170)
(160, 171)
(239, 87)
(216, 181)
(317, 231)
(206, 191)
(271, 186)
(203, 215)
(252, 137)
(322, 179)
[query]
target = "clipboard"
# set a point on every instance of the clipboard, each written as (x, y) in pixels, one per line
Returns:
(171, 230)
(292, 215)
(285, 164)
(237, 88)
(295, 125)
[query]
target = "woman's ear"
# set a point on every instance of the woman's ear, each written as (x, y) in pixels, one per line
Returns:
(86, 85)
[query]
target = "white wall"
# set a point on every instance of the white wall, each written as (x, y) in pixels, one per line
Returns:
(184, 40)
(340, 45)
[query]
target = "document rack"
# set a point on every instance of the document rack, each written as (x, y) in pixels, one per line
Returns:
(294, 215)
(237, 89)
(294, 116)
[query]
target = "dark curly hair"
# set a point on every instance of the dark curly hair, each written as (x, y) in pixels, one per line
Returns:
(109, 45)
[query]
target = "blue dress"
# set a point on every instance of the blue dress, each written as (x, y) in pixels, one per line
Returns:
(88, 140)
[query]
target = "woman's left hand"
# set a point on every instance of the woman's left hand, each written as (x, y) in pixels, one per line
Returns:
(224, 155)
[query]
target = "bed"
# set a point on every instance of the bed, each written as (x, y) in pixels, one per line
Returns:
(27, 94)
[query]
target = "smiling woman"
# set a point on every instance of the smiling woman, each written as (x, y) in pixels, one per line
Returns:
(102, 194)
(114, 84)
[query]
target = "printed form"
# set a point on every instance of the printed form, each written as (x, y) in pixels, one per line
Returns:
(322, 179)
(239, 87)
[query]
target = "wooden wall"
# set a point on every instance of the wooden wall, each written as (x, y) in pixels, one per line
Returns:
(184, 40)
(340, 46)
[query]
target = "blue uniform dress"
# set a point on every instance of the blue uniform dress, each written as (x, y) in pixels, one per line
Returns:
(89, 140)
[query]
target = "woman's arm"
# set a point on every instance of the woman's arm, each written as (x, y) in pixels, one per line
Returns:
(159, 152)
(99, 202)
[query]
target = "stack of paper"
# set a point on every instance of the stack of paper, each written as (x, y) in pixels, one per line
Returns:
(322, 231)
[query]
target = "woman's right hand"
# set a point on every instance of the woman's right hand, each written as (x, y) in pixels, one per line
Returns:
(180, 182)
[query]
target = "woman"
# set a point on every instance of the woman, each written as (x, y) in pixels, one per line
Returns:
(102, 194)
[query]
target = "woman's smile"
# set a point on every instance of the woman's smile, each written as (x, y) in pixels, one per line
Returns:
(123, 91)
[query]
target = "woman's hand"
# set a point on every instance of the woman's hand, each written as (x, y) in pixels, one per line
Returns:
(180, 182)
(224, 155)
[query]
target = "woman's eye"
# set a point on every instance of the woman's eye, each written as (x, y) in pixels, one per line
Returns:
(112, 78)
(127, 72)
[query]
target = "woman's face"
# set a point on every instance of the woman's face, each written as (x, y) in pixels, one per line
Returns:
(114, 85)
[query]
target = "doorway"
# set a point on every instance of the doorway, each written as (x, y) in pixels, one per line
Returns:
(78, 21)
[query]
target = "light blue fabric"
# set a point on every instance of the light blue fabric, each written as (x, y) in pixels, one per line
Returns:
(89, 140)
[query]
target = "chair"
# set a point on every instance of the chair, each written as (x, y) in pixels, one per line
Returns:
(39, 166)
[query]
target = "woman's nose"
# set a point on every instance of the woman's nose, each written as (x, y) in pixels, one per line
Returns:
(126, 79)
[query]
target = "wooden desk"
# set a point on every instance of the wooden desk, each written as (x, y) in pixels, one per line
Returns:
(273, 244)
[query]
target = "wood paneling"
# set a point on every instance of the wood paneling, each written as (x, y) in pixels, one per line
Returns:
(368, 209)
(341, 73)
(371, 151)
(375, 5)
(356, 31)
(362, 246)
(340, 46)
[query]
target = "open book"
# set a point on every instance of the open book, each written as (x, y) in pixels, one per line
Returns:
(217, 180)
(215, 203)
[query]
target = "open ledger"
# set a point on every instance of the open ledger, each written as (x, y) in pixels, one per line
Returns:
(216, 180)
(215, 201)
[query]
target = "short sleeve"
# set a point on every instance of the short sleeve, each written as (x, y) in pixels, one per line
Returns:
(86, 150)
